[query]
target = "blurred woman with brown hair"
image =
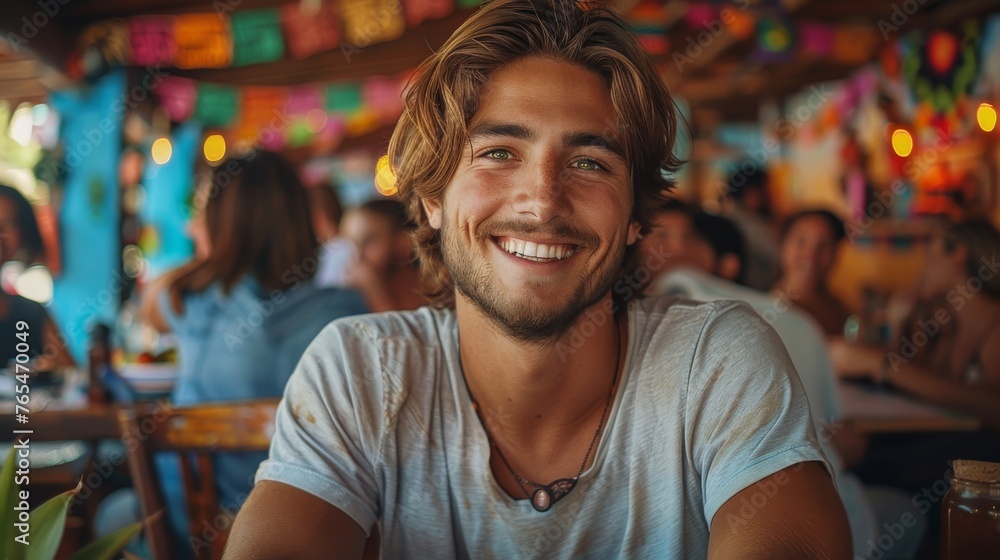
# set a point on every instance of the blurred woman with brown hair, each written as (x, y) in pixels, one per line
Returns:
(947, 351)
(244, 313)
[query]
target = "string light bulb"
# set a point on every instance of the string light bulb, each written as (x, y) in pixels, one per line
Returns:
(902, 142)
(986, 116)
(161, 150)
(215, 148)
(385, 179)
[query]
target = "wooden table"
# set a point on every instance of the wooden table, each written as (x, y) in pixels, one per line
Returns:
(56, 422)
(875, 409)
(60, 413)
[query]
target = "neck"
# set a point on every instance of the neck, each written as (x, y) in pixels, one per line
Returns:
(536, 395)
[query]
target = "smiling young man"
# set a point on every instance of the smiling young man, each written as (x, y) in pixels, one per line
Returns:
(534, 412)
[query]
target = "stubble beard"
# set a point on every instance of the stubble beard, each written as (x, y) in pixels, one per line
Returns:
(519, 318)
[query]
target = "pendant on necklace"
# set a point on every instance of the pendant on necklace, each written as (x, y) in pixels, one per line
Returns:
(544, 497)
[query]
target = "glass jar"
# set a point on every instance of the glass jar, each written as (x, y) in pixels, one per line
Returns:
(970, 512)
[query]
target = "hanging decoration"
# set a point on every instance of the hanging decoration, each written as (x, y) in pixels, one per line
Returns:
(275, 117)
(941, 69)
(202, 41)
(309, 31)
(775, 39)
(256, 37)
(649, 22)
(152, 40)
(235, 37)
(215, 105)
(419, 11)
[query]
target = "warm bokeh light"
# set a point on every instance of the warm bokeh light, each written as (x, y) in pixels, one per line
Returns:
(215, 148)
(161, 150)
(986, 116)
(385, 180)
(902, 142)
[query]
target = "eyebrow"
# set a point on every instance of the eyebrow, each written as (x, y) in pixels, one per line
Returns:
(570, 139)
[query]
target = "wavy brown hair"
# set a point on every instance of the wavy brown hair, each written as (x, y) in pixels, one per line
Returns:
(433, 133)
(257, 217)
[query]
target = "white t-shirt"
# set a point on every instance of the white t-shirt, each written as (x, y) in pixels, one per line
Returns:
(378, 422)
(806, 345)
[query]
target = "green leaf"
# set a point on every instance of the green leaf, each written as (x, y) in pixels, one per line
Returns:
(107, 546)
(47, 525)
(8, 499)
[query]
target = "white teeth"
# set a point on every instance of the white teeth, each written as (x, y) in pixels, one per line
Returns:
(539, 252)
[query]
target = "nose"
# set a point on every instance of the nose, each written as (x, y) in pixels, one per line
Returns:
(542, 191)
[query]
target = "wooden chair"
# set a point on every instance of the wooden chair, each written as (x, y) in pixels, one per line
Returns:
(194, 433)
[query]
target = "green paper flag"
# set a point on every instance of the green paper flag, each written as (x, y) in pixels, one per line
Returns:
(469, 3)
(343, 98)
(256, 37)
(216, 105)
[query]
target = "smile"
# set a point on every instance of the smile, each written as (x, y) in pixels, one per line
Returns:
(537, 252)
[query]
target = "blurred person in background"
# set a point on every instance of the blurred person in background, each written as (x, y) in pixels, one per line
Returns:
(385, 271)
(337, 252)
(947, 350)
(715, 266)
(809, 243)
(21, 240)
(243, 316)
(748, 205)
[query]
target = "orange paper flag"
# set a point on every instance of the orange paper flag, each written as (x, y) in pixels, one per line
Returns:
(202, 41)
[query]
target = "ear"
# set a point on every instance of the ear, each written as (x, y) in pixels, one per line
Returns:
(633, 231)
(432, 207)
(729, 267)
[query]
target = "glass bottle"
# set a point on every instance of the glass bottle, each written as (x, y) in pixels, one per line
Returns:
(970, 512)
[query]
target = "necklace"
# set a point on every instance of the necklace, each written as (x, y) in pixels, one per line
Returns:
(545, 495)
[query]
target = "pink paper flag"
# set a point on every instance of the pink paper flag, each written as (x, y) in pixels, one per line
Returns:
(152, 39)
(302, 100)
(383, 96)
(309, 32)
(178, 96)
(699, 15)
(816, 38)
(418, 11)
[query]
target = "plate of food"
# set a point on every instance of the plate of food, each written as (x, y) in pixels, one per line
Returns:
(148, 373)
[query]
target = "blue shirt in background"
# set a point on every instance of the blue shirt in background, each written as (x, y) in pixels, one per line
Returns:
(239, 346)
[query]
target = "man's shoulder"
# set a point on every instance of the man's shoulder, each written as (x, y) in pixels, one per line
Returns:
(425, 326)
(672, 312)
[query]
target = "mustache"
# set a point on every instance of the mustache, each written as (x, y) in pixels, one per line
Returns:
(557, 228)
